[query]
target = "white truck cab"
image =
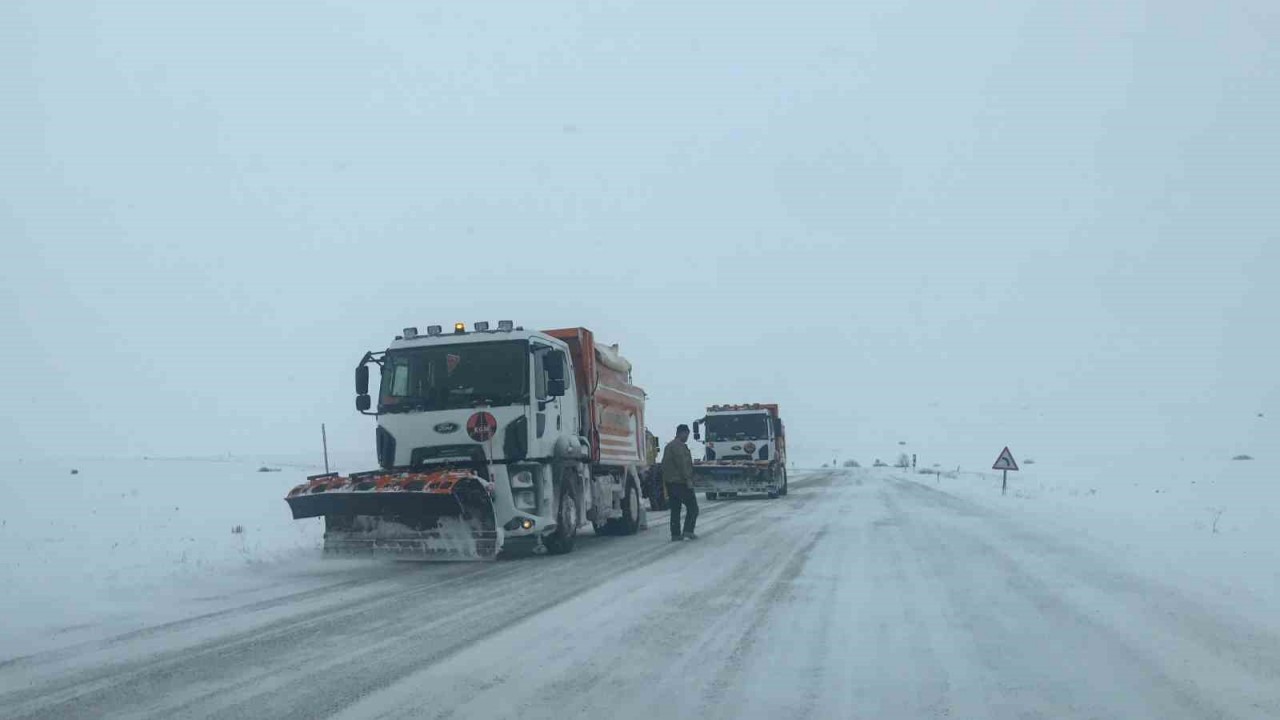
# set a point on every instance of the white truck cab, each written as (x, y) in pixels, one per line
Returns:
(744, 451)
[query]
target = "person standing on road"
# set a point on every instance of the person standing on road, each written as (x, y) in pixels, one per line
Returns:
(677, 474)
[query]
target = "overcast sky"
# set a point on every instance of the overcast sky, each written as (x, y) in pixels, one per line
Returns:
(1053, 225)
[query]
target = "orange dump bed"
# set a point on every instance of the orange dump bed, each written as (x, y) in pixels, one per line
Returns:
(613, 408)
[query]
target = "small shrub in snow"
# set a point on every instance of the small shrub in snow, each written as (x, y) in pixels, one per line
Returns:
(264, 468)
(1242, 457)
(851, 464)
(1217, 515)
(904, 460)
(880, 463)
(75, 471)
(237, 529)
(1028, 461)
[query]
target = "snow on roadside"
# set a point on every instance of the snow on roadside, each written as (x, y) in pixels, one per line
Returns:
(120, 536)
(1208, 525)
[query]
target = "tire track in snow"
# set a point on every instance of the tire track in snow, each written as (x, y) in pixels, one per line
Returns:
(364, 580)
(1122, 668)
(266, 666)
(1253, 650)
(620, 650)
(755, 613)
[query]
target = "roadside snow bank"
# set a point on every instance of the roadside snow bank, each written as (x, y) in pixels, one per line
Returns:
(74, 548)
(1208, 525)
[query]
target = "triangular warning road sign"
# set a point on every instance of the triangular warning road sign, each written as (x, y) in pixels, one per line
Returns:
(1005, 461)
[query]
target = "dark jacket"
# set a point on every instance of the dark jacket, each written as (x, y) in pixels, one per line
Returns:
(677, 464)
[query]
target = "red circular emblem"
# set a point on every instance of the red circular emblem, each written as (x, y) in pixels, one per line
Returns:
(482, 426)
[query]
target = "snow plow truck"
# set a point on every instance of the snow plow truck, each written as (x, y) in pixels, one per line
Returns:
(745, 451)
(487, 437)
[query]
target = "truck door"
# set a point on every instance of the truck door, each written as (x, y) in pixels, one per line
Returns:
(548, 413)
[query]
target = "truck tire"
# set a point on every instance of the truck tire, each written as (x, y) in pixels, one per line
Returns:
(657, 502)
(562, 540)
(629, 523)
(655, 490)
(711, 496)
(784, 483)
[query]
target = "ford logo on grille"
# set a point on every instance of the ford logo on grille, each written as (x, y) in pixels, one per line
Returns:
(445, 428)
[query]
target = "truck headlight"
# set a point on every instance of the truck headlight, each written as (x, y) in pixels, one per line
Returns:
(522, 479)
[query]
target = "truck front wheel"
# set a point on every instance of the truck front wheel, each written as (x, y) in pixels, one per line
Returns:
(561, 541)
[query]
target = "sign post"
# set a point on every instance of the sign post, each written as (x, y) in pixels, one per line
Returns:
(1005, 463)
(324, 439)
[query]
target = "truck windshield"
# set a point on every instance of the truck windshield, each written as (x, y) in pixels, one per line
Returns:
(754, 426)
(455, 376)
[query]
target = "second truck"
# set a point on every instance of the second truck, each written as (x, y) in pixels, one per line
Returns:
(745, 451)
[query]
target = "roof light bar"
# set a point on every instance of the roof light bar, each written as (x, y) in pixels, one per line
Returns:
(410, 333)
(506, 325)
(434, 329)
(482, 326)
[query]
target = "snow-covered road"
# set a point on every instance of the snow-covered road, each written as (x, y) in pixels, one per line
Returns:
(861, 594)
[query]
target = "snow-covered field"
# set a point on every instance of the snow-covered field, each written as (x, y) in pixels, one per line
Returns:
(121, 542)
(1209, 524)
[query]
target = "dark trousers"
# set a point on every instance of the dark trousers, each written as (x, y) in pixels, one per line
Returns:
(681, 494)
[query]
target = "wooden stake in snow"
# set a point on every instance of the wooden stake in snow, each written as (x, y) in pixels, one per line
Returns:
(1005, 463)
(324, 439)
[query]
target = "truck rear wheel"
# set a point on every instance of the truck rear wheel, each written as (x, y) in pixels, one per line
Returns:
(629, 523)
(654, 489)
(561, 541)
(657, 502)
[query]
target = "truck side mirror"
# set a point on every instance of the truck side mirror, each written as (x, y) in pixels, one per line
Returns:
(554, 364)
(696, 428)
(362, 380)
(362, 402)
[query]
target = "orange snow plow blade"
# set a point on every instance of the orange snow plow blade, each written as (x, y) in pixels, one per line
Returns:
(438, 515)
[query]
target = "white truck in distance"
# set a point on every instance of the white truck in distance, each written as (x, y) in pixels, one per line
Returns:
(745, 451)
(484, 437)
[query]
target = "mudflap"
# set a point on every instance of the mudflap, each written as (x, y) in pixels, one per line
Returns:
(446, 515)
